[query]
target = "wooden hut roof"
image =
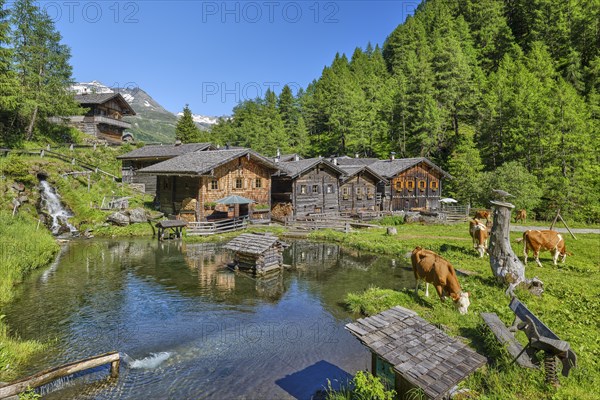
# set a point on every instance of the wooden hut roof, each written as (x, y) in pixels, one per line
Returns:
(203, 162)
(349, 161)
(165, 151)
(289, 157)
(293, 169)
(101, 98)
(422, 354)
(251, 243)
(352, 170)
(391, 168)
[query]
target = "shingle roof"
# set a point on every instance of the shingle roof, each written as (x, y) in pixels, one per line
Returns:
(348, 161)
(100, 98)
(351, 170)
(421, 353)
(253, 243)
(165, 151)
(295, 168)
(391, 168)
(202, 162)
(289, 157)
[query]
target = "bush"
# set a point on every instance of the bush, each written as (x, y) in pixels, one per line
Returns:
(365, 386)
(392, 220)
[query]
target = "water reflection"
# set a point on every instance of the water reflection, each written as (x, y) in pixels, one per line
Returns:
(144, 298)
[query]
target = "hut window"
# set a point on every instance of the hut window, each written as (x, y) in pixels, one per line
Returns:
(399, 185)
(258, 183)
(315, 189)
(214, 184)
(358, 191)
(434, 185)
(239, 183)
(410, 185)
(422, 185)
(302, 189)
(345, 193)
(369, 193)
(329, 189)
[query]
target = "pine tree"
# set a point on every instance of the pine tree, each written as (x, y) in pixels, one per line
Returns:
(8, 83)
(186, 130)
(42, 66)
(466, 167)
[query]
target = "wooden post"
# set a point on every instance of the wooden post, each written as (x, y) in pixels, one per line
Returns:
(563, 221)
(114, 368)
(555, 219)
(506, 266)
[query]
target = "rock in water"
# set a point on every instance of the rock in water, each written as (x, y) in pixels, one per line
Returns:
(137, 215)
(119, 218)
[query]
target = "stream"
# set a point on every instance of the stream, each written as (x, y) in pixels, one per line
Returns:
(187, 327)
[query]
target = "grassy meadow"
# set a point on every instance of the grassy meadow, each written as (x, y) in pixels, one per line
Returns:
(570, 305)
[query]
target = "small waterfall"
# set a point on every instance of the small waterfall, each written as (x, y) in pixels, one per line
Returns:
(51, 203)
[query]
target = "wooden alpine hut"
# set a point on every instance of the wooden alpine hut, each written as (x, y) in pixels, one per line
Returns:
(257, 252)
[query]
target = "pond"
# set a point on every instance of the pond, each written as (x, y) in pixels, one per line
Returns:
(189, 327)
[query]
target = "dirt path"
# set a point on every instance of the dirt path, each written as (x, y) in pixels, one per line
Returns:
(519, 228)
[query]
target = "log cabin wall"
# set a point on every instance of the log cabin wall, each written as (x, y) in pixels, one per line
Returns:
(417, 187)
(316, 191)
(240, 177)
(130, 175)
(358, 193)
(172, 190)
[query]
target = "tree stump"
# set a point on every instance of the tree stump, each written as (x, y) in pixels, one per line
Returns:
(392, 231)
(506, 266)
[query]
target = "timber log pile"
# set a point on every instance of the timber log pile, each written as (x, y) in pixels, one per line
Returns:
(282, 210)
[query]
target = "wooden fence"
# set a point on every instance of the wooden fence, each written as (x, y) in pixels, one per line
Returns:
(47, 376)
(213, 228)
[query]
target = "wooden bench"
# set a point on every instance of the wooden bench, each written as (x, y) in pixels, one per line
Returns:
(175, 226)
(540, 337)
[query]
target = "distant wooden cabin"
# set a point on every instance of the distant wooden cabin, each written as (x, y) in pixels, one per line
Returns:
(358, 187)
(311, 185)
(150, 155)
(189, 185)
(413, 183)
(104, 118)
(257, 252)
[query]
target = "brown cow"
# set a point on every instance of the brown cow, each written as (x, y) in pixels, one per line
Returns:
(482, 214)
(480, 234)
(521, 216)
(544, 240)
(434, 269)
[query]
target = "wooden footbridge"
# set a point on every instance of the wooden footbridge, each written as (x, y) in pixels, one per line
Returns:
(50, 375)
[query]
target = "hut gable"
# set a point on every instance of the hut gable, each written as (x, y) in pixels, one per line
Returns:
(189, 185)
(261, 253)
(310, 185)
(104, 116)
(358, 188)
(146, 156)
(420, 354)
(414, 183)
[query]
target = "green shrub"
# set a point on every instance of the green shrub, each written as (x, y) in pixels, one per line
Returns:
(364, 386)
(391, 220)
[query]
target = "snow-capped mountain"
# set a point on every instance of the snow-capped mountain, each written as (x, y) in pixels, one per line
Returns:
(153, 123)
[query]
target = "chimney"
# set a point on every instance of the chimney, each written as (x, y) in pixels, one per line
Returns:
(178, 143)
(296, 157)
(356, 155)
(334, 160)
(392, 155)
(278, 156)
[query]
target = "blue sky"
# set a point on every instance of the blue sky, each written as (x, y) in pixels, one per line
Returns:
(212, 54)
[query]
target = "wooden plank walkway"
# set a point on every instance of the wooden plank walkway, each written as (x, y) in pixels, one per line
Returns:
(47, 376)
(506, 338)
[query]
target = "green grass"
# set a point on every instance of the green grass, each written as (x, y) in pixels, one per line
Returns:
(18, 258)
(570, 305)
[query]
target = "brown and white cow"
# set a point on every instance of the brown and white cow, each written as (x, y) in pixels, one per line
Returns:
(482, 214)
(521, 216)
(432, 268)
(480, 234)
(544, 240)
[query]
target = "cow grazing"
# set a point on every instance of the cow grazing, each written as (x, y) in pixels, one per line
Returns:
(434, 269)
(482, 214)
(544, 240)
(521, 216)
(480, 234)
